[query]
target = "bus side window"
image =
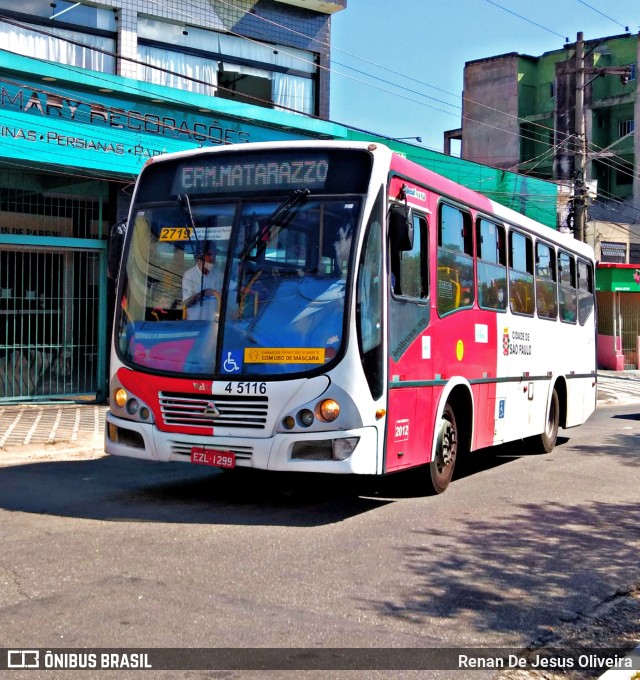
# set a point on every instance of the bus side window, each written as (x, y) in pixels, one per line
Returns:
(585, 291)
(546, 285)
(410, 268)
(369, 301)
(492, 270)
(567, 280)
(521, 287)
(455, 280)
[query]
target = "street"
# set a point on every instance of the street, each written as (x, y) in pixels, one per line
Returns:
(111, 552)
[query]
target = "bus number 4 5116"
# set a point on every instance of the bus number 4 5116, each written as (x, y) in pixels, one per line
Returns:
(246, 388)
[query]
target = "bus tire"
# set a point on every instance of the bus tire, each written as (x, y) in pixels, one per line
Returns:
(547, 440)
(444, 459)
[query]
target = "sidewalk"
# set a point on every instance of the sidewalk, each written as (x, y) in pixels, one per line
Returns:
(42, 431)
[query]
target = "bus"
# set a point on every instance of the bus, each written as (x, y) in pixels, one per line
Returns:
(359, 314)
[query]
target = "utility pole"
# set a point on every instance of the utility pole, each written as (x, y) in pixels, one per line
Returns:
(580, 148)
(579, 194)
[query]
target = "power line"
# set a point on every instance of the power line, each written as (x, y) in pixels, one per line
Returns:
(263, 101)
(392, 72)
(257, 99)
(368, 132)
(586, 4)
(544, 28)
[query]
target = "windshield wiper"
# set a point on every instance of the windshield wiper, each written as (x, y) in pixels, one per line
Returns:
(273, 220)
(185, 206)
(276, 219)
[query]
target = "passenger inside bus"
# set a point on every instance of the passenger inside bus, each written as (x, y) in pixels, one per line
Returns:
(521, 298)
(568, 307)
(201, 285)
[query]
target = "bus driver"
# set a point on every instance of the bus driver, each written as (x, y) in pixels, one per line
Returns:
(201, 284)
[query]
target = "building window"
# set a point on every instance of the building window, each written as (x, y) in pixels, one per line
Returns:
(634, 253)
(226, 66)
(625, 127)
(611, 251)
(67, 33)
(552, 89)
(624, 173)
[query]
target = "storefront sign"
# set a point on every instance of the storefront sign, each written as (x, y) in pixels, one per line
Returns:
(103, 113)
(618, 278)
(73, 123)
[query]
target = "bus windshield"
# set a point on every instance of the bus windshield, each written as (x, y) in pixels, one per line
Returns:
(212, 286)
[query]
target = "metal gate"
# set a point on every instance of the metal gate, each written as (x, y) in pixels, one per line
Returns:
(629, 306)
(52, 298)
(619, 316)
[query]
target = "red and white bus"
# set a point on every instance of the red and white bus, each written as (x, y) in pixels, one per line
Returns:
(359, 314)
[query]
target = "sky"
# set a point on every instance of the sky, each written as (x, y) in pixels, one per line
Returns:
(397, 65)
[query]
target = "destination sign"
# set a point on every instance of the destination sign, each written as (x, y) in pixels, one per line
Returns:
(251, 173)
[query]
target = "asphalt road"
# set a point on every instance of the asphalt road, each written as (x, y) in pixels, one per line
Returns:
(109, 552)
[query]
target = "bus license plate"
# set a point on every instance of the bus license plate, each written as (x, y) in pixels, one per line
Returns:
(221, 459)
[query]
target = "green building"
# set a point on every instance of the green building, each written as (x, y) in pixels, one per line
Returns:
(519, 114)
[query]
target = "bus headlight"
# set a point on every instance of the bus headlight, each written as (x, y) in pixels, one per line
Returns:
(329, 410)
(120, 397)
(133, 405)
(306, 417)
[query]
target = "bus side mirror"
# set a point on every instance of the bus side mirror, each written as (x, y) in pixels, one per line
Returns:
(400, 228)
(116, 243)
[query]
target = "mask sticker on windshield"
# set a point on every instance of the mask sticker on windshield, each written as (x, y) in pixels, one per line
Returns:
(284, 355)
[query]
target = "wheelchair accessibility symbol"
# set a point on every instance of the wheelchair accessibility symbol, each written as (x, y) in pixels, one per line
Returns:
(233, 362)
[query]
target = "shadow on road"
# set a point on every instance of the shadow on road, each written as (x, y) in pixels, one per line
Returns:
(119, 489)
(548, 563)
(129, 490)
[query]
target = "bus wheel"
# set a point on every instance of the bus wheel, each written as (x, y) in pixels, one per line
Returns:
(547, 440)
(441, 467)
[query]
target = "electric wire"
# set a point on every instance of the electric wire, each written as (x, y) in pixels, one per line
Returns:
(383, 136)
(199, 81)
(544, 28)
(606, 16)
(396, 73)
(519, 134)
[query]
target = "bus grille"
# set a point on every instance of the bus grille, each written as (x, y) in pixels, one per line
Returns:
(229, 410)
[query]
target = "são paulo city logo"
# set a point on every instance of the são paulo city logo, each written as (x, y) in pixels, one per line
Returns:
(516, 342)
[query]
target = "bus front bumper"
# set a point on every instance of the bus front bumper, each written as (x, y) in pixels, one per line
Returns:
(299, 452)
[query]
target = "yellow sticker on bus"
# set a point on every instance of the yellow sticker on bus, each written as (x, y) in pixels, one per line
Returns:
(284, 355)
(175, 234)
